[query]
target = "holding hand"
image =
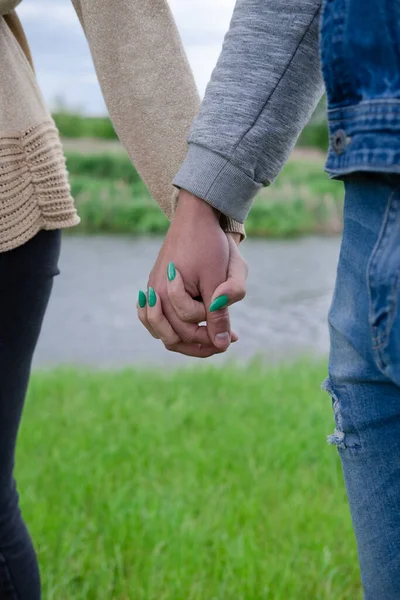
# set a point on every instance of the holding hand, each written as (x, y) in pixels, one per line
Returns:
(197, 261)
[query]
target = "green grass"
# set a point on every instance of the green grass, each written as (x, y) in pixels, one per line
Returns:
(210, 484)
(111, 198)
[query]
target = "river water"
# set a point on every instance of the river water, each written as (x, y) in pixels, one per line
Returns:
(92, 320)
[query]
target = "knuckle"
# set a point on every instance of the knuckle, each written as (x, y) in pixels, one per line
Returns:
(161, 291)
(188, 337)
(174, 295)
(170, 340)
(142, 318)
(185, 315)
(170, 347)
(220, 317)
(179, 305)
(152, 318)
(241, 292)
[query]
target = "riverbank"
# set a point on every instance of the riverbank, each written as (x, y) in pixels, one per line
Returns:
(200, 484)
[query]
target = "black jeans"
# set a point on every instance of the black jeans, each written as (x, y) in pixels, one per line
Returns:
(26, 279)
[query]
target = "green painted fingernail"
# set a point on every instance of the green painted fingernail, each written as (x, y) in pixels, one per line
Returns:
(219, 303)
(142, 299)
(171, 271)
(152, 296)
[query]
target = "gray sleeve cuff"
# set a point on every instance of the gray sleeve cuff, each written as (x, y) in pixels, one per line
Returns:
(213, 178)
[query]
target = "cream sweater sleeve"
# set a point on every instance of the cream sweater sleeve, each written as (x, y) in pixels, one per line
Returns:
(147, 85)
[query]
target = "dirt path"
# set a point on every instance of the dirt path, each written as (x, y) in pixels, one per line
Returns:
(97, 146)
(92, 146)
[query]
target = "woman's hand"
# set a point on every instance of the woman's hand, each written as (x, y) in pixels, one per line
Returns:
(201, 262)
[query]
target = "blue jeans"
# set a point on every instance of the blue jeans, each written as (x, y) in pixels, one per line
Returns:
(360, 55)
(364, 374)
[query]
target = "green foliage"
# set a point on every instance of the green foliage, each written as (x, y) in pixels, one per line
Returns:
(72, 125)
(315, 135)
(115, 166)
(116, 207)
(200, 484)
(111, 198)
(75, 125)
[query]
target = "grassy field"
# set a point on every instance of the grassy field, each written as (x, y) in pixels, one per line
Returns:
(111, 198)
(191, 485)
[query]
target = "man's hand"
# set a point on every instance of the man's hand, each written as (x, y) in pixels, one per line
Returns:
(202, 256)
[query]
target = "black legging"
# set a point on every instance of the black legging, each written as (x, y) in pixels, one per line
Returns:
(26, 278)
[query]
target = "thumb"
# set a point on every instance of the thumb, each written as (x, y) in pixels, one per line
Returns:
(219, 326)
(234, 288)
(218, 322)
(230, 291)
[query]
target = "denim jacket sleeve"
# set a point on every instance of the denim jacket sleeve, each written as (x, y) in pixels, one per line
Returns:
(263, 90)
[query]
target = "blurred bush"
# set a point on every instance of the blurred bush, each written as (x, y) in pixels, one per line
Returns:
(115, 166)
(315, 134)
(75, 125)
(110, 197)
(72, 125)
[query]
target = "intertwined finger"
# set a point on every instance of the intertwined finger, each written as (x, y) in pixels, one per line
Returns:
(141, 307)
(157, 320)
(186, 308)
(195, 350)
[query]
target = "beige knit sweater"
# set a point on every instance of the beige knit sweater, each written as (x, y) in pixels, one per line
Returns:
(150, 94)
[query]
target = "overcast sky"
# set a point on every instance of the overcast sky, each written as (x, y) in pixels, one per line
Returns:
(62, 58)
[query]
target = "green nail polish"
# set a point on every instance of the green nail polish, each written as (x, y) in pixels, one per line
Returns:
(219, 303)
(152, 296)
(171, 271)
(142, 299)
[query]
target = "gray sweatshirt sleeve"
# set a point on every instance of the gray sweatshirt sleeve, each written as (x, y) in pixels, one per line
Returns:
(263, 90)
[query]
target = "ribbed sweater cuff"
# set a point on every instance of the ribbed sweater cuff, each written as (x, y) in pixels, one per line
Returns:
(231, 226)
(213, 178)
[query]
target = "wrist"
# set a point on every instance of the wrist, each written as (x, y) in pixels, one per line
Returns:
(197, 207)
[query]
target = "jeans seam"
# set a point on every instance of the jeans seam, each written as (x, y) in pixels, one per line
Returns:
(380, 339)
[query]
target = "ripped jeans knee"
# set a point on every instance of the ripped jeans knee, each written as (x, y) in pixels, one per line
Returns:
(345, 435)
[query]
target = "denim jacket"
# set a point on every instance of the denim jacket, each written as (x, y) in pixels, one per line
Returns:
(360, 53)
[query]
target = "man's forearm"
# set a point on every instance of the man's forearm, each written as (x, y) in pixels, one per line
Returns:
(266, 84)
